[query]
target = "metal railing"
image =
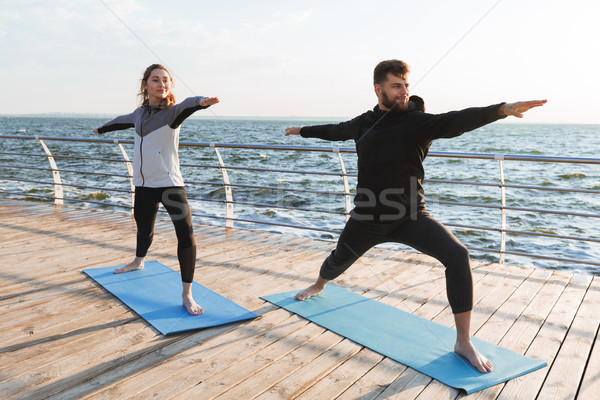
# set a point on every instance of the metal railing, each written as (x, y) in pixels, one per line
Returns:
(227, 199)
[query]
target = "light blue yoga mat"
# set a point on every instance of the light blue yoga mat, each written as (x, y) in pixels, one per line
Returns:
(154, 293)
(421, 344)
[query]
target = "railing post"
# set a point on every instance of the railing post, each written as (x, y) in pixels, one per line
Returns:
(500, 158)
(58, 189)
(347, 199)
(129, 172)
(228, 195)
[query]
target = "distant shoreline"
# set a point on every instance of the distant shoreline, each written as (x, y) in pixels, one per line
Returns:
(514, 121)
(211, 117)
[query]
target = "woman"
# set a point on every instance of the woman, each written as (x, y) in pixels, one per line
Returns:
(156, 173)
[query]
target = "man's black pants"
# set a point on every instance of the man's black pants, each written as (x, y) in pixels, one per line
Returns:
(424, 234)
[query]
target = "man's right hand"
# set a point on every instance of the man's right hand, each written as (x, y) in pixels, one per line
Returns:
(292, 131)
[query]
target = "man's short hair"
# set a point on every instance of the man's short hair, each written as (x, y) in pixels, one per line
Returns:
(396, 67)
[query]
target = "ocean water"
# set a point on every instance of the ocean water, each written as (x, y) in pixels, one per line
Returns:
(206, 191)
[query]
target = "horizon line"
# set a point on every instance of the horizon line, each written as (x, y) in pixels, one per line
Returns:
(257, 117)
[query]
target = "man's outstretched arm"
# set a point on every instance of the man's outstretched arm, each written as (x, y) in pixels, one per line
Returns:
(455, 123)
(334, 132)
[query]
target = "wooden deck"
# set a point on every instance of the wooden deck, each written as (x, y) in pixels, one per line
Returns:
(64, 337)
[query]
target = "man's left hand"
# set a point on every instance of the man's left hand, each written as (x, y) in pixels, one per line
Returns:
(517, 109)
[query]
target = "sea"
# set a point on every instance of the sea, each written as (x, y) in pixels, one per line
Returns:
(275, 193)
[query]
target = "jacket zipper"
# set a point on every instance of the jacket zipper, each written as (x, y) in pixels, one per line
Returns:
(141, 154)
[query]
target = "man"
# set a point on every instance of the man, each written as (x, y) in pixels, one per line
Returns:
(392, 142)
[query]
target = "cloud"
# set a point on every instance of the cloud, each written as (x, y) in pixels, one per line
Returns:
(8, 15)
(301, 17)
(123, 8)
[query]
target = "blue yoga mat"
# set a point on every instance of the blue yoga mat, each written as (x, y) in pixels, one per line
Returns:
(154, 293)
(421, 344)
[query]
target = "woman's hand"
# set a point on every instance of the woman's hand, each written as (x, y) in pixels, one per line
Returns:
(209, 101)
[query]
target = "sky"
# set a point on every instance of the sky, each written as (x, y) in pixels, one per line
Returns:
(301, 58)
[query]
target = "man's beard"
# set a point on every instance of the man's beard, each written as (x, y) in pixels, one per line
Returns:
(393, 105)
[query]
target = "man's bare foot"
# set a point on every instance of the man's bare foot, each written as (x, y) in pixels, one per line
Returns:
(132, 266)
(191, 306)
(468, 351)
(309, 292)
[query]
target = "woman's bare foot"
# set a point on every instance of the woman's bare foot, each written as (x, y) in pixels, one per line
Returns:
(135, 265)
(466, 349)
(191, 306)
(188, 300)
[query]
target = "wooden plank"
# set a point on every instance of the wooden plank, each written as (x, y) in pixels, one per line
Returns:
(230, 272)
(486, 279)
(377, 279)
(243, 278)
(237, 263)
(486, 305)
(22, 289)
(246, 275)
(408, 385)
(54, 256)
(413, 287)
(285, 276)
(70, 374)
(281, 274)
(372, 384)
(25, 357)
(548, 340)
(590, 385)
(50, 282)
(567, 370)
(73, 259)
(27, 312)
(303, 378)
(199, 356)
(47, 266)
(340, 379)
(37, 327)
(508, 312)
(39, 263)
(41, 382)
(263, 380)
(274, 347)
(13, 206)
(389, 283)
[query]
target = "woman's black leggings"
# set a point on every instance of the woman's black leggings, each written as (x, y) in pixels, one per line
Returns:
(424, 234)
(175, 201)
